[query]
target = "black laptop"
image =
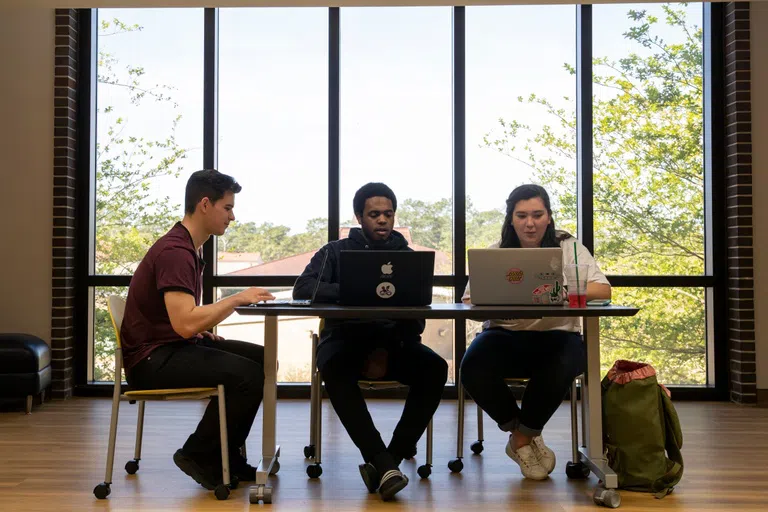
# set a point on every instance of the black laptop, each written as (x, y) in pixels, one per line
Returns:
(386, 278)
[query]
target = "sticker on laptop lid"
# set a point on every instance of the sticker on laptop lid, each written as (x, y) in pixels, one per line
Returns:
(385, 290)
(515, 275)
(548, 294)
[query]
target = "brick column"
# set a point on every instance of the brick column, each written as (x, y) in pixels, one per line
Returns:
(738, 169)
(64, 181)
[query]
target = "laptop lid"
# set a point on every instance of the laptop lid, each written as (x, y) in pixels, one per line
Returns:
(511, 277)
(386, 278)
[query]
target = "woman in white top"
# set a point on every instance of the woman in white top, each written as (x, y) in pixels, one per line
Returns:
(549, 352)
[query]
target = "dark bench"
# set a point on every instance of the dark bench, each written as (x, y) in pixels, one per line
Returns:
(25, 367)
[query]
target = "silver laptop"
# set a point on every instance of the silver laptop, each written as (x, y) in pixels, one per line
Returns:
(512, 277)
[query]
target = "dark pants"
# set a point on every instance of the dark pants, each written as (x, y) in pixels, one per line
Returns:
(239, 366)
(550, 359)
(413, 364)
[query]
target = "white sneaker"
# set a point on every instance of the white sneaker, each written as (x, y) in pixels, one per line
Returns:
(529, 463)
(544, 453)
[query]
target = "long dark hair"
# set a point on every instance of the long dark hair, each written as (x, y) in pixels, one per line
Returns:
(509, 238)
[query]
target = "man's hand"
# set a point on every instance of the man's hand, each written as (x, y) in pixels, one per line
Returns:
(254, 295)
(210, 335)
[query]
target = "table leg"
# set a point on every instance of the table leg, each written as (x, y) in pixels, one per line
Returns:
(270, 451)
(592, 454)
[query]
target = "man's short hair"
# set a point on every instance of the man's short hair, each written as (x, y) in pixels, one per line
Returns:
(208, 183)
(372, 190)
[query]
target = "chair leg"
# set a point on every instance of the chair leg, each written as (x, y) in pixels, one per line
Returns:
(318, 420)
(224, 440)
(312, 412)
(583, 412)
(429, 443)
(574, 425)
(42, 397)
(460, 436)
(243, 452)
(112, 434)
(139, 432)
(479, 424)
(28, 407)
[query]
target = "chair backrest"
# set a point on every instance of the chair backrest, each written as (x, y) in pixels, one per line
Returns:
(116, 308)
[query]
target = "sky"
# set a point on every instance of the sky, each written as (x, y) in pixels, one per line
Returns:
(396, 96)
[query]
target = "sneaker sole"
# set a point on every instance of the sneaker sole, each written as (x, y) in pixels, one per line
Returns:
(367, 479)
(193, 470)
(396, 488)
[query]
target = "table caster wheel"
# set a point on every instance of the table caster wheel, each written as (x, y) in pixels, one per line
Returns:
(456, 466)
(314, 471)
(275, 468)
(221, 492)
(132, 466)
(260, 493)
(424, 471)
(476, 447)
(101, 491)
(576, 470)
(607, 497)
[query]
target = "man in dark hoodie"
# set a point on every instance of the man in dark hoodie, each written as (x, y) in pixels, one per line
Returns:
(350, 350)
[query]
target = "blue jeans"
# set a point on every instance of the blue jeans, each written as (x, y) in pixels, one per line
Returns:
(549, 359)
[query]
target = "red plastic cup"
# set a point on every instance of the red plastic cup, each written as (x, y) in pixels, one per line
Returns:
(577, 285)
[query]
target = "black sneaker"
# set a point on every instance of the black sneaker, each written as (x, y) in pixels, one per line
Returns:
(197, 470)
(370, 476)
(392, 482)
(239, 467)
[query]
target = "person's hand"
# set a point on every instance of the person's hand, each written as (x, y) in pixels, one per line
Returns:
(210, 335)
(254, 295)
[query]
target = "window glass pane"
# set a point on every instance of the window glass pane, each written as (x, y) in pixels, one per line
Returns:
(149, 127)
(669, 332)
(521, 117)
(273, 134)
(396, 118)
(294, 348)
(648, 138)
(104, 340)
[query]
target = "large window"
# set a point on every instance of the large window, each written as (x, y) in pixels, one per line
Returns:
(521, 112)
(149, 120)
(649, 209)
(452, 107)
(396, 118)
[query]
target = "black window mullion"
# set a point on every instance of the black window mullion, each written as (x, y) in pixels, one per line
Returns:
(584, 154)
(334, 79)
(210, 131)
(459, 179)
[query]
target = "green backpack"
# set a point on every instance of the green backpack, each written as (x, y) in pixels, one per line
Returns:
(641, 430)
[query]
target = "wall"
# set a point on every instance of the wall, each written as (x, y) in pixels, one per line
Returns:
(26, 180)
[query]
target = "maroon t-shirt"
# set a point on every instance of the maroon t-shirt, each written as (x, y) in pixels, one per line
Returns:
(171, 264)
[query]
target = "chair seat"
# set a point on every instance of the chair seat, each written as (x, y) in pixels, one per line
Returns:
(379, 384)
(513, 380)
(170, 394)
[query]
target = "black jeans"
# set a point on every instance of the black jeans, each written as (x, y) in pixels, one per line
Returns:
(412, 364)
(549, 359)
(238, 365)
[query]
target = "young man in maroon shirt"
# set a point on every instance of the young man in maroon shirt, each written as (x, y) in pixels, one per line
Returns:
(166, 336)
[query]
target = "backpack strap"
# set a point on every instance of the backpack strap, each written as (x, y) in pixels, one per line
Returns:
(673, 442)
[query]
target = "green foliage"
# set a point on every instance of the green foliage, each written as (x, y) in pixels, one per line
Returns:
(272, 241)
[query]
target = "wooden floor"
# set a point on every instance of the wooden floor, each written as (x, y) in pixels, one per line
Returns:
(52, 459)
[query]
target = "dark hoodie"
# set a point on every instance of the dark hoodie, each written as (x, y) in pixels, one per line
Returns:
(403, 331)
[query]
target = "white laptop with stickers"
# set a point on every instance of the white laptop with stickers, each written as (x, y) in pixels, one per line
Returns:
(512, 277)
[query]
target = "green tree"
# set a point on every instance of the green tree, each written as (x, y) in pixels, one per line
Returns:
(648, 186)
(272, 241)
